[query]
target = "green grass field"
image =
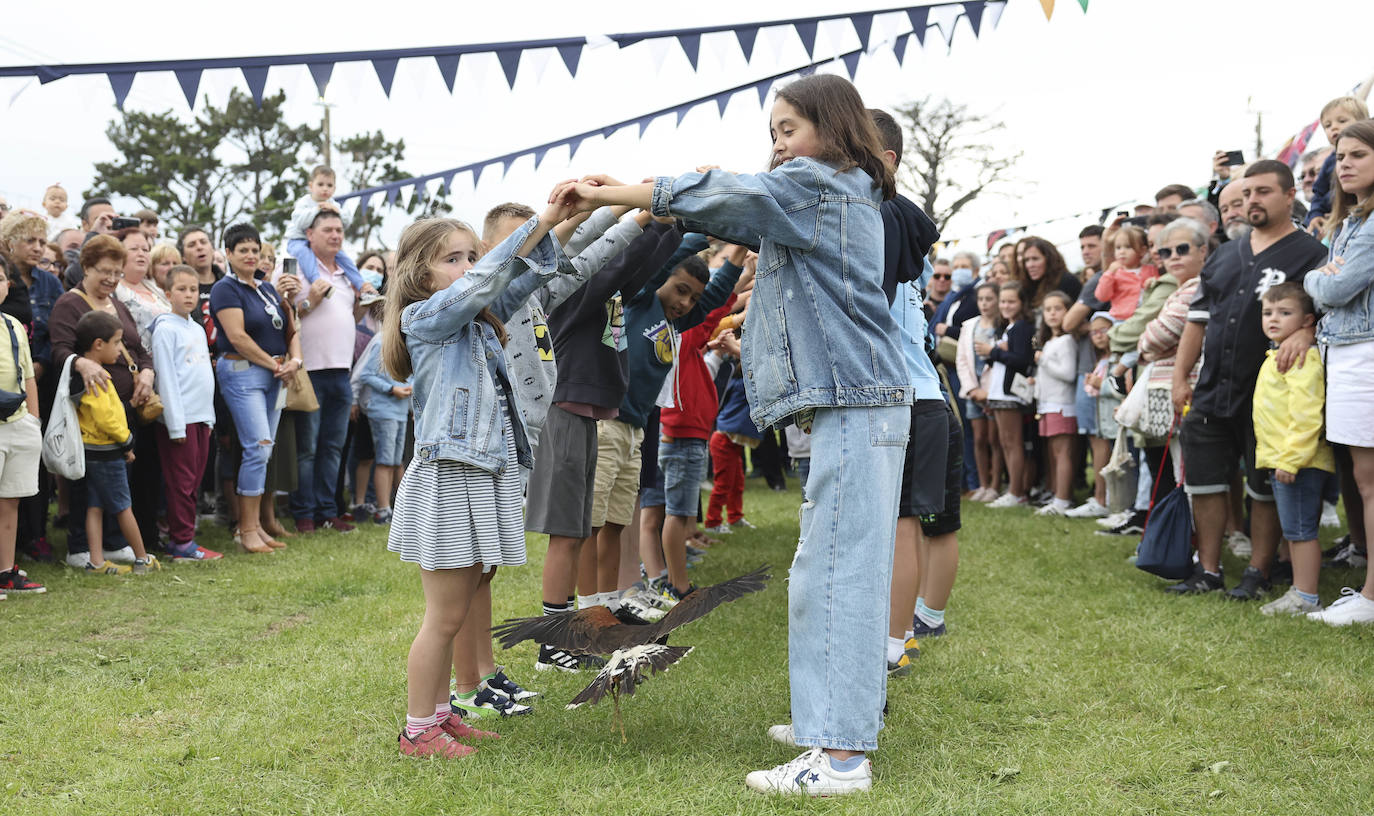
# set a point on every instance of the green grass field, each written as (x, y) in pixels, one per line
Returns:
(1068, 684)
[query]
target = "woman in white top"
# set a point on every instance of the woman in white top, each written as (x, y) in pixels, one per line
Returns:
(137, 290)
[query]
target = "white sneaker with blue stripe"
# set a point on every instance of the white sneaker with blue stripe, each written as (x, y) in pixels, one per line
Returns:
(811, 774)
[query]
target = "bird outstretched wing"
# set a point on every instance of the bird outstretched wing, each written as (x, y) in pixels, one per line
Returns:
(596, 630)
(703, 600)
(628, 668)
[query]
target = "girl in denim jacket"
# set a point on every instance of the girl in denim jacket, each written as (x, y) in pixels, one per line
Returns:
(819, 346)
(458, 509)
(1344, 290)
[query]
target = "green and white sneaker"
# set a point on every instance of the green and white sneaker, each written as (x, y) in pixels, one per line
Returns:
(811, 774)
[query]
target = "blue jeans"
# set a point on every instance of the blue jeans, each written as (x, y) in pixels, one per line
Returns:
(683, 462)
(251, 394)
(1300, 504)
(841, 577)
(319, 446)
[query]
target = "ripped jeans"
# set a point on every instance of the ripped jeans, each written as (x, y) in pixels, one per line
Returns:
(251, 392)
(841, 577)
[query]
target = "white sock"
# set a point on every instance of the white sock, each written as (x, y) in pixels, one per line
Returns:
(610, 600)
(894, 649)
(584, 601)
(1062, 504)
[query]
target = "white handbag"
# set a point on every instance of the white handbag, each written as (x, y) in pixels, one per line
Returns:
(63, 451)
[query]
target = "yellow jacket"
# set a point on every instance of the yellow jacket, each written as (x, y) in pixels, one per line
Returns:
(1288, 412)
(104, 427)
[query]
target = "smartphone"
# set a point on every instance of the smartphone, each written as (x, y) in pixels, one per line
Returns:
(1234, 157)
(288, 266)
(122, 223)
(1122, 214)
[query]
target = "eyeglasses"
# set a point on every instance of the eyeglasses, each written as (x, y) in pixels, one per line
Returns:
(46, 264)
(938, 276)
(1165, 253)
(1099, 332)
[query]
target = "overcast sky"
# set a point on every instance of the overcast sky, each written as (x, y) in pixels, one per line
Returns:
(1106, 106)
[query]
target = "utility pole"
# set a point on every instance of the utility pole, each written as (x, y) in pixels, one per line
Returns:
(328, 142)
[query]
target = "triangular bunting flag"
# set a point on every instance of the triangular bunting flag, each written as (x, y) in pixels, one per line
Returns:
(189, 79)
(723, 102)
(863, 26)
(746, 37)
(682, 114)
(1084, 4)
(609, 131)
(994, 11)
(506, 163)
(920, 21)
(763, 88)
(851, 62)
(691, 46)
(539, 154)
(448, 183)
(257, 81)
(1048, 6)
(386, 72)
(573, 144)
(899, 47)
(807, 32)
(448, 69)
(974, 11)
(320, 72)
(120, 83)
(391, 191)
(571, 54)
(362, 207)
(644, 123)
(510, 64)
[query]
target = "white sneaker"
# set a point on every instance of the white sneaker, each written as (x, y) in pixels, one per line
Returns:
(1008, 500)
(985, 494)
(812, 775)
(1291, 603)
(783, 734)
(1088, 509)
(636, 603)
(78, 560)
(1051, 509)
(1115, 520)
(1330, 518)
(123, 555)
(720, 529)
(1351, 607)
(742, 524)
(1239, 543)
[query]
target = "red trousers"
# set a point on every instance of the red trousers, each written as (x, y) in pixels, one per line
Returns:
(727, 492)
(183, 465)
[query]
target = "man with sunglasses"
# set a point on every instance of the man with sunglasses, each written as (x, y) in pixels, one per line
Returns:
(1224, 328)
(941, 282)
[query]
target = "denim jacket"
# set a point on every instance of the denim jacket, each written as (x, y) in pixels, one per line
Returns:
(1347, 297)
(819, 333)
(456, 401)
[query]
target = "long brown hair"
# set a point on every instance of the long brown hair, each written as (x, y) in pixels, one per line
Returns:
(1055, 271)
(421, 247)
(847, 134)
(1342, 202)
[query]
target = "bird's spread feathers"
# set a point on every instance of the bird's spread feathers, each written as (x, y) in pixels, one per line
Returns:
(627, 668)
(595, 630)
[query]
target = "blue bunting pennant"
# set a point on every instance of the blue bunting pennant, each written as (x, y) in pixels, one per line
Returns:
(540, 153)
(510, 64)
(391, 191)
(573, 144)
(723, 101)
(256, 77)
(386, 73)
(863, 26)
(851, 63)
(448, 69)
(746, 36)
(571, 54)
(691, 46)
(189, 80)
(974, 12)
(807, 32)
(763, 88)
(920, 21)
(899, 47)
(321, 72)
(120, 83)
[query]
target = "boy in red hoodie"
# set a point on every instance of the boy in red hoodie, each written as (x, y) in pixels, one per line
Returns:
(685, 425)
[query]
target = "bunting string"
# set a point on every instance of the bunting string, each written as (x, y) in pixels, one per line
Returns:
(255, 69)
(920, 20)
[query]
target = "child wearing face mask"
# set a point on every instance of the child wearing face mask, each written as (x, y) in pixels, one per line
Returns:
(1121, 286)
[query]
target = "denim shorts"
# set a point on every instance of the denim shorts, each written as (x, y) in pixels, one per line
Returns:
(107, 485)
(388, 440)
(972, 410)
(1086, 409)
(683, 462)
(1300, 504)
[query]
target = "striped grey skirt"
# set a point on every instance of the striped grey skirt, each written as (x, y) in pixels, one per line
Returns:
(451, 515)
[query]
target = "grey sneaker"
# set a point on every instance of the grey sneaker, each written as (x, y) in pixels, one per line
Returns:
(1290, 604)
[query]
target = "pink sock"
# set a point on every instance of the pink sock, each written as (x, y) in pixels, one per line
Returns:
(442, 712)
(415, 726)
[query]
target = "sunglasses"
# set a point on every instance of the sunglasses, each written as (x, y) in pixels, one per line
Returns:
(1165, 253)
(938, 276)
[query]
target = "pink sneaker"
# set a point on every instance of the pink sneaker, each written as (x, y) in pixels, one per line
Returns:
(456, 728)
(433, 741)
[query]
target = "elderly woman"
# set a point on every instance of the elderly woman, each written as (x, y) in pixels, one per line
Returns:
(137, 291)
(1182, 247)
(258, 353)
(102, 262)
(160, 261)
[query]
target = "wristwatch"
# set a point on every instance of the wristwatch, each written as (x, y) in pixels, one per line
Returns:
(305, 304)
(298, 361)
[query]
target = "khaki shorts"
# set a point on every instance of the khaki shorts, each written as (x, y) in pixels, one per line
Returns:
(617, 472)
(21, 444)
